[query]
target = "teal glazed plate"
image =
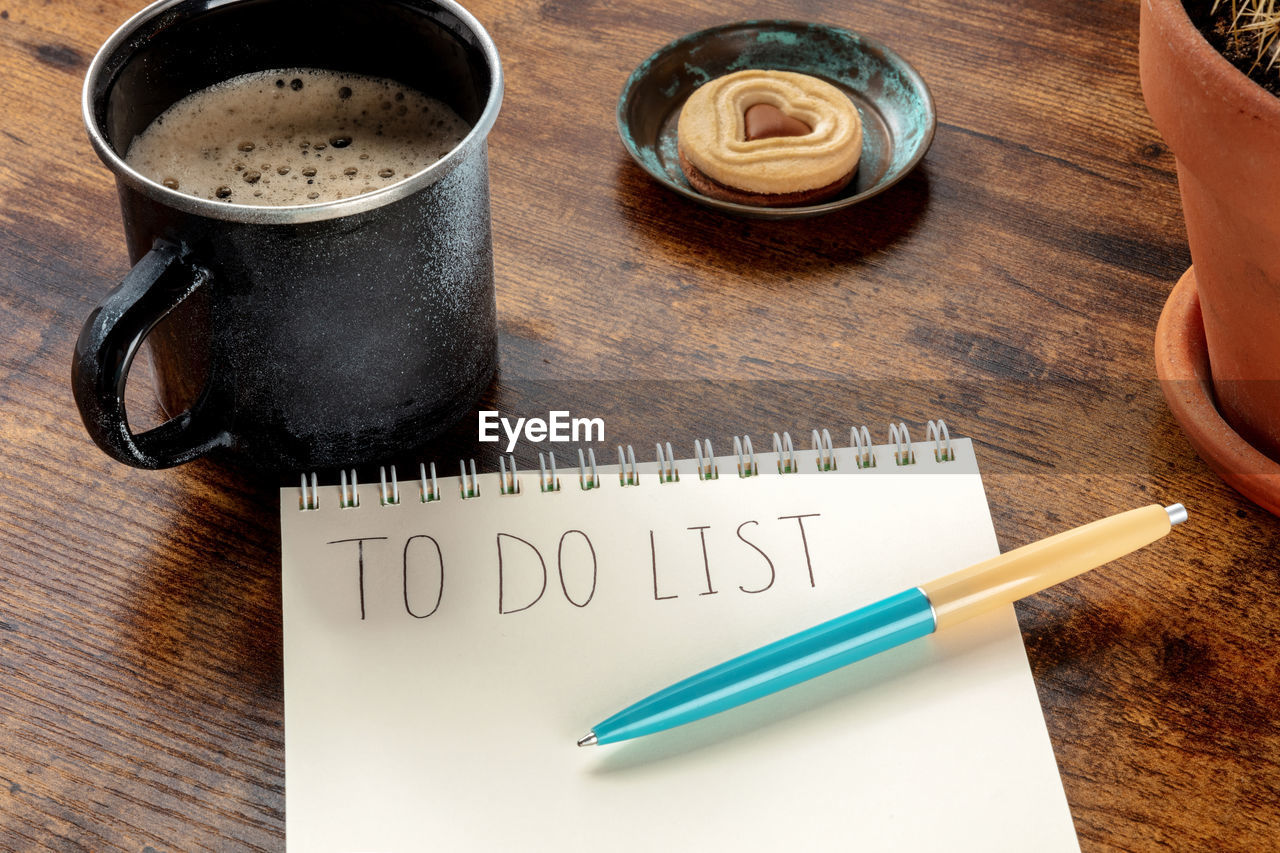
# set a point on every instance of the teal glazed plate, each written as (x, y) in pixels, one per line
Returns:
(893, 101)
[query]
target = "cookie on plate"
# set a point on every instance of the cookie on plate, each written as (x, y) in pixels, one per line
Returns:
(771, 138)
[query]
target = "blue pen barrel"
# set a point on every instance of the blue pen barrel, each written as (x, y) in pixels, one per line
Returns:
(799, 657)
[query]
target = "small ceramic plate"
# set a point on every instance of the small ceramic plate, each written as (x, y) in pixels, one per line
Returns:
(893, 101)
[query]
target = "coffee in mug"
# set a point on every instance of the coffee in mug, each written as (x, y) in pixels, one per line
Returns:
(295, 136)
(294, 333)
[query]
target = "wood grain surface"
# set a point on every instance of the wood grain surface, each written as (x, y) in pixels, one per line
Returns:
(1011, 284)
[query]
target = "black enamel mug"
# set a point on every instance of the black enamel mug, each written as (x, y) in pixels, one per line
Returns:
(301, 337)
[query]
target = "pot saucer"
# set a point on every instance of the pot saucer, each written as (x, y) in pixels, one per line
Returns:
(1182, 363)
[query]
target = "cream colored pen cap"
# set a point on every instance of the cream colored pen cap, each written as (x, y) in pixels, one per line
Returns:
(1031, 568)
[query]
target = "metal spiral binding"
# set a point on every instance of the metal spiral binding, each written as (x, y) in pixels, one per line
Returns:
(942, 451)
(429, 492)
(860, 441)
(826, 452)
(472, 489)
(507, 484)
(548, 484)
(627, 477)
(667, 472)
(628, 471)
(348, 500)
(582, 470)
(709, 471)
(747, 466)
(308, 500)
(903, 454)
(392, 497)
(786, 454)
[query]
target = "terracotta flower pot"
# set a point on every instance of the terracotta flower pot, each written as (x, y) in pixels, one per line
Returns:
(1224, 130)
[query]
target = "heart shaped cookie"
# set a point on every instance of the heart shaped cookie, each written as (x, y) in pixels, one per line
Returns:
(769, 137)
(765, 121)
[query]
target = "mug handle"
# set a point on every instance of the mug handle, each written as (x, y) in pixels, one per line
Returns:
(110, 339)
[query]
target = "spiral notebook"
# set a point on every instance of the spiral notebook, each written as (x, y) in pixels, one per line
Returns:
(448, 639)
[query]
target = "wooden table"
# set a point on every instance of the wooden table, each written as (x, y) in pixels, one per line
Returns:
(1011, 285)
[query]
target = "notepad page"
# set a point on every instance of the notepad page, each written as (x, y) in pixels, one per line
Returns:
(441, 659)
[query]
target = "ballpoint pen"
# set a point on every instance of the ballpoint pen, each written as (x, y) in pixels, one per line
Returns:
(890, 622)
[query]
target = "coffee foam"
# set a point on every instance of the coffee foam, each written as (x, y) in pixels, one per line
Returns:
(295, 136)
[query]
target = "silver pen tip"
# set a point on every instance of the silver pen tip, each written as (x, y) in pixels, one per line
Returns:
(589, 739)
(1177, 514)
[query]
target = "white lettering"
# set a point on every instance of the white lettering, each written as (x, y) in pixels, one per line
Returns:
(589, 424)
(512, 434)
(558, 426)
(488, 425)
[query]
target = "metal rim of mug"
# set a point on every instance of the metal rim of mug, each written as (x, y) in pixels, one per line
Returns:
(299, 213)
